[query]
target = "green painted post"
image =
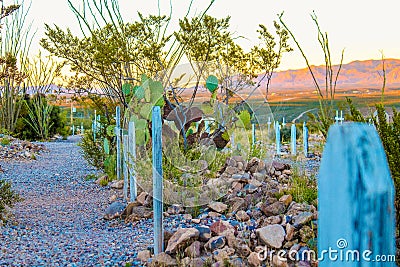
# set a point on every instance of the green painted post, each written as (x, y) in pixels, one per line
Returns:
(157, 180)
(132, 158)
(356, 216)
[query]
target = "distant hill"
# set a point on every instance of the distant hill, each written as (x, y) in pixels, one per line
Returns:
(356, 74)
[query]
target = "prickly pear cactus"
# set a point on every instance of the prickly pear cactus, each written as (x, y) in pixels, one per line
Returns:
(146, 95)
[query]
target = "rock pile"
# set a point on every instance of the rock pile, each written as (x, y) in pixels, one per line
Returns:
(254, 224)
(14, 149)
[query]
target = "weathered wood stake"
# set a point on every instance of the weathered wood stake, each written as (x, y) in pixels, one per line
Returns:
(157, 180)
(355, 199)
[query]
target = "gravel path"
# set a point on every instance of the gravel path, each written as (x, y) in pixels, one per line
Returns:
(60, 221)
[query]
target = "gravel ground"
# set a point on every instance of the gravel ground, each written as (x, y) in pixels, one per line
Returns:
(60, 221)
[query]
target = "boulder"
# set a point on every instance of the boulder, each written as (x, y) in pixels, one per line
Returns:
(144, 255)
(117, 184)
(163, 259)
(221, 228)
(181, 238)
(218, 207)
(194, 250)
(302, 218)
(114, 211)
(242, 216)
(215, 242)
(254, 259)
(272, 235)
(276, 208)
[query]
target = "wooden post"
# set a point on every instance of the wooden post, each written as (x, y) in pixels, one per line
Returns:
(355, 199)
(157, 180)
(253, 134)
(305, 139)
(132, 158)
(278, 138)
(125, 146)
(118, 135)
(293, 138)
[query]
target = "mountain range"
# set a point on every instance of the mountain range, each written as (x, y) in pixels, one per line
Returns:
(356, 74)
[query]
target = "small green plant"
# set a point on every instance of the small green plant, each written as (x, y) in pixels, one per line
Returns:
(8, 197)
(104, 182)
(90, 177)
(5, 141)
(302, 188)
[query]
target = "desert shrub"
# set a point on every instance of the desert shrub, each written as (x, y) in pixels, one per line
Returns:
(24, 126)
(92, 151)
(8, 197)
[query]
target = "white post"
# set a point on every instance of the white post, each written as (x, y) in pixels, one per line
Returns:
(132, 158)
(94, 126)
(283, 122)
(269, 124)
(233, 141)
(253, 134)
(73, 129)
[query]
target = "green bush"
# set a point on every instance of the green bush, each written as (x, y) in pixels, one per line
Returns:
(5, 141)
(7, 197)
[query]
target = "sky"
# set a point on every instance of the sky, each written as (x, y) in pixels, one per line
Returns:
(363, 28)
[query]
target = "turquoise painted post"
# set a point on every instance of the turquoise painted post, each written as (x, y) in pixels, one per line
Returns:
(94, 126)
(305, 139)
(233, 141)
(118, 135)
(132, 158)
(293, 139)
(157, 180)
(207, 126)
(73, 129)
(125, 147)
(355, 199)
(278, 138)
(253, 134)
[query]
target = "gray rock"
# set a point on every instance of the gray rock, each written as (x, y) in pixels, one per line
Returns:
(302, 219)
(114, 210)
(218, 207)
(272, 235)
(181, 238)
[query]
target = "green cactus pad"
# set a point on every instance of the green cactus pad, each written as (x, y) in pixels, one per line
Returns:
(106, 146)
(212, 83)
(139, 93)
(127, 88)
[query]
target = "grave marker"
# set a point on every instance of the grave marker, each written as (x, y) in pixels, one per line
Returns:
(305, 139)
(125, 145)
(293, 138)
(132, 158)
(118, 135)
(157, 180)
(278, 138)
(355, 198)
(253, 134)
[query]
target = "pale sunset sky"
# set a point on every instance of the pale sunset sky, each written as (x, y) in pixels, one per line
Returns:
(362, 27)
